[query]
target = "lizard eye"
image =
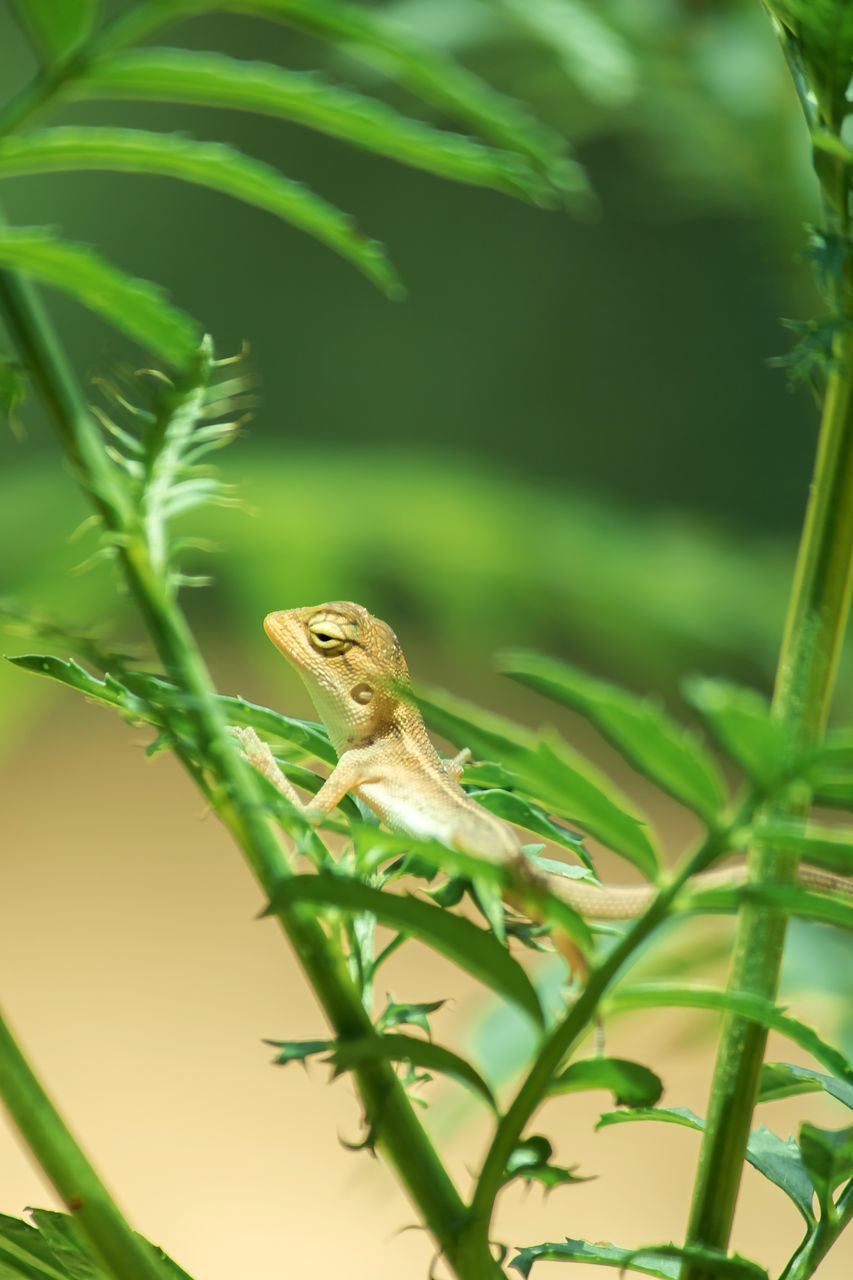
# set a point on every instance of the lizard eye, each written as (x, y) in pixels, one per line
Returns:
(328, 636)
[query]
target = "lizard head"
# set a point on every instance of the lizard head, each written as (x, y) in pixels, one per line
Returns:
(350, 662)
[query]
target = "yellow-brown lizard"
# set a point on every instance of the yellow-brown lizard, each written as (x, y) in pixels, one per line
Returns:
(354, 668)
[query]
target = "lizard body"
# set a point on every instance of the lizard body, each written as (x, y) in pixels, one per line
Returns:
(353, 668)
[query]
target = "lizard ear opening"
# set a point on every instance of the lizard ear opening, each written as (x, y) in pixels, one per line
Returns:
(362, 693)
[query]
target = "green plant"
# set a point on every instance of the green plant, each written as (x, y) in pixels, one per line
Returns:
(143, 460)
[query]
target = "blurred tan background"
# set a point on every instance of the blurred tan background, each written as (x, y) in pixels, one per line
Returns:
(567, 438)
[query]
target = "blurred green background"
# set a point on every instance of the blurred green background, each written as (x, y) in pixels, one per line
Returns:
(568, 437)
(569, 434)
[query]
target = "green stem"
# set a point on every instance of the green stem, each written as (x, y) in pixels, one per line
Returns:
(535, 1087)
(126, 1255)
(817, 1245)
(236, 794)
(817, 616)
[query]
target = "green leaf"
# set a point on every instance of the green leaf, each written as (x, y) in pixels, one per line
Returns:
(210, 164)
(297, 1050)
(412, 1015)
(778, 1159)
(374, 846)
(530, 1160)
(56, 1249)
(781, 1162)
(783, 1080)
(740, 721)
(385, 44)
(59, 27)
(307, 738)
(545, 768)
(215, 80)
(474, 950)
(663, 1260)
(828, 1158)
(654, 744)
(666, 995)
(514, 808)
(631, 1084)
(827, 847)
(420, 1053)
(794, 899)
(668, 1115)
(133, 306)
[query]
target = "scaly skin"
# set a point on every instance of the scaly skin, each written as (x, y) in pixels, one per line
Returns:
(353, 668)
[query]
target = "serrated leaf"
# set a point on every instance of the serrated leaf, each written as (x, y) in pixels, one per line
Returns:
(828, 1157)
(412, 1015)
(655, 745)
(666, 995)
(213, 79)
(778, 1159)
(55, 1249)
(784, 1079)
(307, 738)
(210, 164)
(297, 1050)
(474, 950)
(136, 307)
(631, 1084)
(530, 1160)
(663, 1261)
(420, 1053)
(781, 1162)
(740, 721)
(376, 846)
(668, 1115)
(545, 769)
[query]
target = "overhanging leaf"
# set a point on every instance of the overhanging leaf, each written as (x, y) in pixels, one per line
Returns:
(385, 44)
(474, 950)
(211, 164)
(134, 306)
(654, 744)
(213, 79)
(631, 1084)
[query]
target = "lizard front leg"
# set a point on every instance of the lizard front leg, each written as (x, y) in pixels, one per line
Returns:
(348, 773)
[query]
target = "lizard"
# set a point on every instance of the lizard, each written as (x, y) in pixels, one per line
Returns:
(356, 675)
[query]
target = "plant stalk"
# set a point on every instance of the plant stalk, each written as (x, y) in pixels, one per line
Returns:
(125, 1254)
(395, 1128)
(817, 616)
